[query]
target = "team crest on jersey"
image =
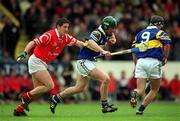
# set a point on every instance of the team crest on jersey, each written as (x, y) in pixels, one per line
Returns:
(54, 44)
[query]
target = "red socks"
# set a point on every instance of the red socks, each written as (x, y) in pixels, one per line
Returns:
(19, 108)
(27, 95)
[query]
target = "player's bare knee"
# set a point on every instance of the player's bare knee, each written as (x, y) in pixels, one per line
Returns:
(106, 80)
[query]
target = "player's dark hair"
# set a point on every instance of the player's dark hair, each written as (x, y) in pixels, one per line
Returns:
(62, 21)
(157, 20)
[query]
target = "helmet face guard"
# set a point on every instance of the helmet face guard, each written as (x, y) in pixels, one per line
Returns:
(157, 21)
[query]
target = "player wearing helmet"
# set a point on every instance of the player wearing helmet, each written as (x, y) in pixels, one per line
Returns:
(86, 65)
(148, 64)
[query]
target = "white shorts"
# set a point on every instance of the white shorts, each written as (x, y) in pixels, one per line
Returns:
(148, 68)
(85, 66)
(35, 64)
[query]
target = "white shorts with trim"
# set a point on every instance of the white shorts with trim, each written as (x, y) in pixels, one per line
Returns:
(35, 64)
(148, 68)
(85, 66)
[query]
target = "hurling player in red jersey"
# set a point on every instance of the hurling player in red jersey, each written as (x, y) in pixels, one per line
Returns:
(46, 48)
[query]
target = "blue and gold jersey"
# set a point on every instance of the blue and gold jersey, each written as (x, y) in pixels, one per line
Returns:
(97, 36)
(156, 39)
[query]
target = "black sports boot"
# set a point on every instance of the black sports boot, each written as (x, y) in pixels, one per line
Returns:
(109, 108)
(16, 113)
(139, 112)
(53, 103)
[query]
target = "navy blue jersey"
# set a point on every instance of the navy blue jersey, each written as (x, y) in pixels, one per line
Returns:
(98, 36)
(156, 39)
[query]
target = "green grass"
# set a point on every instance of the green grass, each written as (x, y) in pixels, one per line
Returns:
(157, 111)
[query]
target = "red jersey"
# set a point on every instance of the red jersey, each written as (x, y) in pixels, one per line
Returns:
(50, 45)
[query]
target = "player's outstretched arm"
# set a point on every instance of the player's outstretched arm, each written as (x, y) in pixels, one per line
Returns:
(80, 44)
(27, 49)
(97, 48)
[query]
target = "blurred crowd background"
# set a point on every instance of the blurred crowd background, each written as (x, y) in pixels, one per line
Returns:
(30, 18)
(12, 85)
(37, 16)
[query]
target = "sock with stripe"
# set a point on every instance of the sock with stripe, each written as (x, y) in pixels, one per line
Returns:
(104, 103)
(27, 95)
(19, 108)
(57, 98)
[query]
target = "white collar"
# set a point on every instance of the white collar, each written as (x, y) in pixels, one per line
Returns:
(100, 29)
(151, 27)
(57, 33)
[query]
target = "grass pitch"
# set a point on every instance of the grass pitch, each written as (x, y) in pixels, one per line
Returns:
(157, 111)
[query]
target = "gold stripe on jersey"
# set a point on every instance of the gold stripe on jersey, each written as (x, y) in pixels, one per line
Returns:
(151, 44)
(86, 43)
(158, 34)
(94, 49)
(165, 38)
(154, 44)
(94, 37)
(162, 37)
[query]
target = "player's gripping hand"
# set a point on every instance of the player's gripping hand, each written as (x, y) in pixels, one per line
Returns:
(106, 53)
(143, 46)
(21, 56)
